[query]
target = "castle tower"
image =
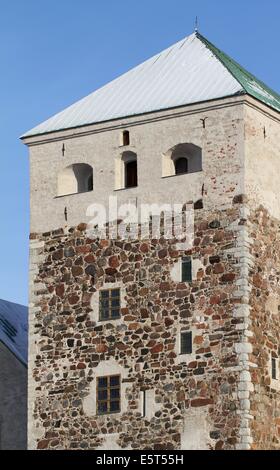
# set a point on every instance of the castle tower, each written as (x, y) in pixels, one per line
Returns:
(146, 343)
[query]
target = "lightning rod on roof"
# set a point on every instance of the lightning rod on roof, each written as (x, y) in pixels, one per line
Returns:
(196, 24)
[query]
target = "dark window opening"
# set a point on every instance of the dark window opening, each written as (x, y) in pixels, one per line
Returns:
(109, 308)
(131, 178)
(187, 269)
(90, 183)
(198, 205)
(186, 158)
(126, 138)
(108, 394)
(273, 368)
(186, 342)
(181, 166)
(144, 402)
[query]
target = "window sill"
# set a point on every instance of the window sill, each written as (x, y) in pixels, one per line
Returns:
(125, 189)
(182, 174)
(109, 319)
(108, 414)
(275, 384)
(73, 194)
(129, 146)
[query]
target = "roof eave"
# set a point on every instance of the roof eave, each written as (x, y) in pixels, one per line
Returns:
(25, 137)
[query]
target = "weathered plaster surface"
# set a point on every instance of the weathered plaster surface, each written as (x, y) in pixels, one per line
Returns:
(262, 163)
(222, 143)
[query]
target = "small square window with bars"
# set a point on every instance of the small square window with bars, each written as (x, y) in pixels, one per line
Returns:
(108, 394)
(186, 342)
(187, 269)
(109, 304)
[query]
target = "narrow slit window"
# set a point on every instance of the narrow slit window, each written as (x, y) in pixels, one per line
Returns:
(187, 269)
(126, 138)
(186, 342)
(274, 368)
(108, 394)
(109, 306)
(143, 403)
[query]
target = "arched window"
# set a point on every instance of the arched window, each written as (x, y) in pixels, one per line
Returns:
(181, 166)
(131, 174)
(76, 178)
(182, 159)
(126, 171)
(125, 138)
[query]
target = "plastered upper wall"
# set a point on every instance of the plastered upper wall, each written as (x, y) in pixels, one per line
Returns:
(262, 157)
(150, 137)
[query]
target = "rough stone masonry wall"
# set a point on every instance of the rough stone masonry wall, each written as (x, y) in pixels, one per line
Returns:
(265, 316)
(196, 404)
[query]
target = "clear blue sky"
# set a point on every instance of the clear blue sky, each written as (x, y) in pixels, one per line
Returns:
(54, 52)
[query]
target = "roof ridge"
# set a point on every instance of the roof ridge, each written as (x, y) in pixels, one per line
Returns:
(214, 50)
(228, 63)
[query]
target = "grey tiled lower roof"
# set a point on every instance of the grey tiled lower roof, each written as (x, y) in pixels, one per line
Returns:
(14, 328)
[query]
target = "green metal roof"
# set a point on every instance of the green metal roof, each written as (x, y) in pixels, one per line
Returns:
(251, 85)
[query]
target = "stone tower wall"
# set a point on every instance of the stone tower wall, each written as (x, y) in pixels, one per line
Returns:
(191, 402)
(222, 396)
(264, 281)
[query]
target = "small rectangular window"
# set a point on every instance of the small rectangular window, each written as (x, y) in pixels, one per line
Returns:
(126, 138)
(108, 394)
(186, 342)
(109, 305)
(187, 269)
(274, 368)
